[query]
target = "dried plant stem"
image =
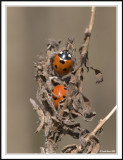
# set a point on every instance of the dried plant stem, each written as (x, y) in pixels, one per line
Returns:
(84, 47)
(101, 123)
(92, 18)
(89, 30)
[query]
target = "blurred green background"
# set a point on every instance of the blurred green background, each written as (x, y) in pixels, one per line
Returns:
(28, 29)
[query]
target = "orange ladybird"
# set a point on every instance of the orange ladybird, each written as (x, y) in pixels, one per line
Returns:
(59, 93)
(62, 63)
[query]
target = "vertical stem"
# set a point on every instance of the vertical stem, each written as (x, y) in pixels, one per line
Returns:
(85, 49)
(93, 9)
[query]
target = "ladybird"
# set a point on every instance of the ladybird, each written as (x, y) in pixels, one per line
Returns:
(62, 63)
(59, 93)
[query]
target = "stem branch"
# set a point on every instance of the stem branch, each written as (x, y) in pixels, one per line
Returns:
(101, 123)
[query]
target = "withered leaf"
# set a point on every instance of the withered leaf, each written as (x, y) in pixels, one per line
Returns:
(53, 44)
(75, 114)
(71, 124)
(89, 147)
(69, 148)
(67, 130)
(55, 81)
(55, 119)
(84, 132)
(99, 77)
(82, 136)
(87, 113)
(90, 115)
(70, 46)
(98, 74)
(40, 115)
(48, 124)
(83, 142)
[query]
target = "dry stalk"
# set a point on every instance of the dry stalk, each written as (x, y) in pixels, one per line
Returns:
(89, 30)
(100, 125)
(103, 121)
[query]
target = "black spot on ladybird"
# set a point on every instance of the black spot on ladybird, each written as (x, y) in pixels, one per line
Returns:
(65, 88)
(61, 61)
(54, 98)
(55, 66)
(64, 96)
(65, 69)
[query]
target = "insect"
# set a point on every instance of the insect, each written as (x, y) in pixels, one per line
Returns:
(59, 93)
(62, 63)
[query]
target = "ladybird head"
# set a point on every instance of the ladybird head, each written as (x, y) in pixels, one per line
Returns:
(64, 55)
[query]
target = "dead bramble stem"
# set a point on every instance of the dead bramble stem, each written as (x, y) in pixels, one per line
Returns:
(84, 48)
(101, 123)
(89, 30)
(90, 136)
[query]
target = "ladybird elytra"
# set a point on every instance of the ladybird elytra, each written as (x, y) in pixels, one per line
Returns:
(62, 63)
(59, 93)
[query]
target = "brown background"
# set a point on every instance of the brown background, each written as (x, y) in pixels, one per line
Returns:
(27, 32)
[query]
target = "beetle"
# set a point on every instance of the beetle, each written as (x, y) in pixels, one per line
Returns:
(59, 94)
(62, 63)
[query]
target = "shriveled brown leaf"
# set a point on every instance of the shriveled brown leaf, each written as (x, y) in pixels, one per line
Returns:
(75, 114)
(69, 148)
(53, 44)
(87, 113)
(99, 75)
(71, 124)
(40, 115)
